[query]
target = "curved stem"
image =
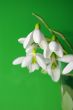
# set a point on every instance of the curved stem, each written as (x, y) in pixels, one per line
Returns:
(63, 37)
(53, 31)
(45, 24)
(68, 75)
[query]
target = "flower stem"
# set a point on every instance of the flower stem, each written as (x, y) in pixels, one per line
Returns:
(53, 31)
(68, 75)
(45, 24)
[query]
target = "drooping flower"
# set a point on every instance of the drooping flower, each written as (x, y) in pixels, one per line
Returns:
(53, 52)
(53, 47)
(67, 59)
(32, 60)
(54, 67)
(36, 36)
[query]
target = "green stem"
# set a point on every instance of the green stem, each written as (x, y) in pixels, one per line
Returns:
(45, 24)
(63, 37)
(53, 31)
(68, 75)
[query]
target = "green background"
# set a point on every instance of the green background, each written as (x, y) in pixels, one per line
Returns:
(20, 90)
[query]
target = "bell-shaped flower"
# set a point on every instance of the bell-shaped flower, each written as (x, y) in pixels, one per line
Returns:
(32, 60)
(55, 47)
(67, 59)
(54, 68)
(36, 36)
(53, 52)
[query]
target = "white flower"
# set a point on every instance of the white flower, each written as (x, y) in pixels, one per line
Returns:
(35, 36)
(54, 68)
(53, 47)
(67, 59)
(32, 60)
(52, 52)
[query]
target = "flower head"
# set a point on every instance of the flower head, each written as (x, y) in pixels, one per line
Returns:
(53, 52)
(54, 68)
(32, 60)
(53, 47)
(36, 36)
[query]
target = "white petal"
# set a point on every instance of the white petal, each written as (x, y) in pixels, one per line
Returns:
(43, 44)
(47, 61)
(18, 60)
(56, 74)
(37, 36)
(27, 60)
(46, 53)
(59, 52)
(21, 40)
(30, 49)
(41, 61)
(28, 40)
(66, 58)
(53, 46)
(56, 47)
(68, 68)
(49, 69)
(33, 67)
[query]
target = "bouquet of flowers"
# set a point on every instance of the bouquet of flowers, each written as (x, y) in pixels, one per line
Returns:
(50, 58)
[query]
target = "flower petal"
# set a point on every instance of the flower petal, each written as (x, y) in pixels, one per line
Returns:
(41, 61)
(59, 52)
(33, 67)
(56, 47)
(49, 69)
(53, 46)
(68, 68)
(66, 58)
(18, 60)
(30, 49)
(56, 74)
(37, 36)
(28, 40)
(27, 60)
(46, 53)
(21, 40)
(43, 44)
(47, 61)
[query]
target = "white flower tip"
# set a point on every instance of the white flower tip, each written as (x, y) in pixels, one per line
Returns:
(68, 68)
(64, 72)
(21, 40)
(18, 61)
(55, 80)
(22, 66)
(14, 62)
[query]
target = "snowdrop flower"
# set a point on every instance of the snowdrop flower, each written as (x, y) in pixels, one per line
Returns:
(53, 52)
(67, 59)
(54, 68)
(36, 36)
(53, 47)
(32, 60)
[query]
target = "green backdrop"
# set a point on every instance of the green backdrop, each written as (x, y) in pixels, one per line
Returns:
(20, 90)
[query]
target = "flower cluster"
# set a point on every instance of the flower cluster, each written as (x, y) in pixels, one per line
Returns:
(49, 60)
